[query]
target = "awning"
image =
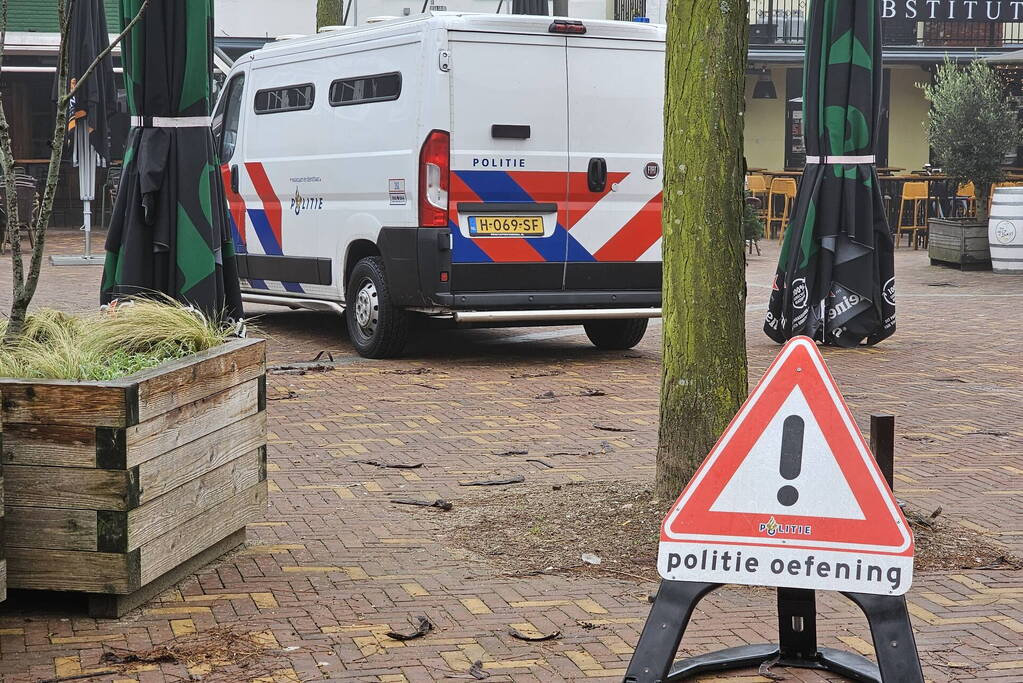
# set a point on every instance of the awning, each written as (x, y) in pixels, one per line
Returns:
(31, 44)
(793, 54)
(1007, 58)
(9, 69)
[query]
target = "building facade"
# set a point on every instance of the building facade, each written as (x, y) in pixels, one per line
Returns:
(917, 36)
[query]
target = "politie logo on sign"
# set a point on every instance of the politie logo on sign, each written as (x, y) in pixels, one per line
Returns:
(790, 495)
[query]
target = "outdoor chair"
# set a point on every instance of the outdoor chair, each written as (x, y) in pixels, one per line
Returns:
(757, 186)
(916, 196)
(109, 191)
(994, 186)
(965, 205)
(785, 190)
(25, 187)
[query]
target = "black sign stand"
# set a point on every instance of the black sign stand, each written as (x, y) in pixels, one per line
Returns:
(887, 616)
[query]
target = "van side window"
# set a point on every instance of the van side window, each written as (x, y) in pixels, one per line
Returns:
(378, 88)
(286, 98)
(225, 121)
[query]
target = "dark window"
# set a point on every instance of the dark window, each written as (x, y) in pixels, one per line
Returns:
(627, 10)
(287, 98)
(225, 121)
(379, 88)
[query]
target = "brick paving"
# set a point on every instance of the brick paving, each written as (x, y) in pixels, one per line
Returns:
(334, 566)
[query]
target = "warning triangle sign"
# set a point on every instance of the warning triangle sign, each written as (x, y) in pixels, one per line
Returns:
(790, 479)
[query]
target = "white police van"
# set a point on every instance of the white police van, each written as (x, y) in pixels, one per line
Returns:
(485, 169)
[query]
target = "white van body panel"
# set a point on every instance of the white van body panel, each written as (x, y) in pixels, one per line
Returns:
(320, 184)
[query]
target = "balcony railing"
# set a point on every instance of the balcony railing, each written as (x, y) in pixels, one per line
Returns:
(784, 22)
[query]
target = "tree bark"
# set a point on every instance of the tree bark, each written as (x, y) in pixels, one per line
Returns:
(328, 13)
(704, 380)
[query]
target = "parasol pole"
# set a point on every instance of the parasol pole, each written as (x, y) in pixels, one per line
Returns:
(86, 158)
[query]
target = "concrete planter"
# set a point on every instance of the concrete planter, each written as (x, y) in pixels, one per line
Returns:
(962, 243)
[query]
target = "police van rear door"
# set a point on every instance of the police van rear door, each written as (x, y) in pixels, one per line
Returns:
(615, 110)
(509, 160)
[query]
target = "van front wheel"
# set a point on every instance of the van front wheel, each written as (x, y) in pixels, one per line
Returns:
(376, 327)
(616, 334)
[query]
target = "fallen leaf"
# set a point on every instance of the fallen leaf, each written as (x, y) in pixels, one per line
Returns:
(519, 635)
(477, 672)
(424, 626)
(517, 479)
(611, 428)
(393, 465)
(439, 503)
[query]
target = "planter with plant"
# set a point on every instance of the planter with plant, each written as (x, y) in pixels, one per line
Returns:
(133, 449)
(971, 126)
(132, 441)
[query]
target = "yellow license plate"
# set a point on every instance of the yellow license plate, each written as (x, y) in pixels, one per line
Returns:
(505, 225)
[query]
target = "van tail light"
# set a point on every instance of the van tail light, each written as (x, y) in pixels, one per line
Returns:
(567, 26)
(434, 179)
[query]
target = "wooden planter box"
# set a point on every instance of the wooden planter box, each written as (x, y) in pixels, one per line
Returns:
(958, 242)
(119, 488)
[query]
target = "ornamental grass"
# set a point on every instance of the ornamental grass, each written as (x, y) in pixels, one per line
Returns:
(116, 342)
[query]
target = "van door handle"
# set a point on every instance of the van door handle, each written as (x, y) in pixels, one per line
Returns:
(596, 174)
(234, 178)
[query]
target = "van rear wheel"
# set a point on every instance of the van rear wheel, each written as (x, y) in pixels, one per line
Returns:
(616, 334)
(376, 327)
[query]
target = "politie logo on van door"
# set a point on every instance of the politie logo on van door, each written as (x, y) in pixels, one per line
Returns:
(300, 203)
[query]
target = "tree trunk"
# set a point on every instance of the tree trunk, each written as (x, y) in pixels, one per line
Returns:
(328, 13)
(982, 193)
(704, 378)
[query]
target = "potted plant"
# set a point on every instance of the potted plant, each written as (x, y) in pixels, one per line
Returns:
(132, 440)
(752, 226)
(971, 127)
(133, 444)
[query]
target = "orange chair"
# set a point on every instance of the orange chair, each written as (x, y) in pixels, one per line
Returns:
(966, 200)
(914, 194)
(785, 189)
(757, 186)
(991, 192)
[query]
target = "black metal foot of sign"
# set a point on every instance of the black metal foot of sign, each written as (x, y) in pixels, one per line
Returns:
(653, 660)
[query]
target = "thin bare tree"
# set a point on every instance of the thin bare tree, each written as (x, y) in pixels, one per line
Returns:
(24, 284)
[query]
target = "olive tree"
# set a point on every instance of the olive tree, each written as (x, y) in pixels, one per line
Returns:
(971, 125)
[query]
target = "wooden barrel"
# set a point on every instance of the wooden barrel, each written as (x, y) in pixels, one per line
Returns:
(1005, 230)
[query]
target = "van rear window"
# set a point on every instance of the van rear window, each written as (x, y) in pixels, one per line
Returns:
(378, 88)
(286, 98)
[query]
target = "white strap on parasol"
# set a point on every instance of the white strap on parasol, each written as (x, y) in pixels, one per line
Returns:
(171, 121)
(866, 159)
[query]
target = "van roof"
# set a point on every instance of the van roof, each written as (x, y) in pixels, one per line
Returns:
(463, 21)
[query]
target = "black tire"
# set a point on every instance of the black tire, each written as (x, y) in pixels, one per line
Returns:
(376, 327)
(616, 334)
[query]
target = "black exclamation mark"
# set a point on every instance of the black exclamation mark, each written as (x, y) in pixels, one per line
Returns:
(791, 457)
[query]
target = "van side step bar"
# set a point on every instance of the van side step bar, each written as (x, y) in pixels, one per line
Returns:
(294, 302)
(555, 315)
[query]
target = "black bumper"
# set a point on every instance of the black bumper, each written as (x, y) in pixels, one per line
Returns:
(415, 259)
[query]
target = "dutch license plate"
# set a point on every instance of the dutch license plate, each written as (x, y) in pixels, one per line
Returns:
(505, 225)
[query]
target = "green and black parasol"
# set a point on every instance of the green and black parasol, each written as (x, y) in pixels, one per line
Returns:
(169, 232)
(836, 274)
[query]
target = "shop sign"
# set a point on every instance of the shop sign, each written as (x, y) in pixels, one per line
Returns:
(953, 10)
